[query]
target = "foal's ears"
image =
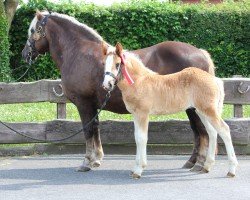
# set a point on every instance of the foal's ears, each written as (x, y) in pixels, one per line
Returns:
(39, 15)
(105, 47)
(118, 49)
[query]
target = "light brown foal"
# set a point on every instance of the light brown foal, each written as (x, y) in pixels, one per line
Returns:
(146, 92)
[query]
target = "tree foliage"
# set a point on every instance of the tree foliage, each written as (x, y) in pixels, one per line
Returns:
(4, 45)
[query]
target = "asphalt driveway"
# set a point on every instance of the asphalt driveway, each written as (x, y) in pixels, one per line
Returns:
(54, 177)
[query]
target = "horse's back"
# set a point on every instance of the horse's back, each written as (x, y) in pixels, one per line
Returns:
(172, 56)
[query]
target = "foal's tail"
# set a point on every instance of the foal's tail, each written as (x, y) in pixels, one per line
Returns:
(221, 94)
(211, 69)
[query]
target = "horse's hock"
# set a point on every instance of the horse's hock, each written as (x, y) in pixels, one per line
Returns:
(168, 137)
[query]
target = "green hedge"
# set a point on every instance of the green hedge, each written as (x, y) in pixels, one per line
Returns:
(221, 29)
(4, 46)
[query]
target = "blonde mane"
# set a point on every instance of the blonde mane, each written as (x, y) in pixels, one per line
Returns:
(136, 63)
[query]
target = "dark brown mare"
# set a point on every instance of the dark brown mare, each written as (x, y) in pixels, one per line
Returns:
(77, 51)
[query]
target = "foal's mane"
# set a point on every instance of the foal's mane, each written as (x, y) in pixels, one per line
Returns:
(136, 62)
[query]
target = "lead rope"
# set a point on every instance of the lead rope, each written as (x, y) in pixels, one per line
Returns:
(107, 97)
(23, 74)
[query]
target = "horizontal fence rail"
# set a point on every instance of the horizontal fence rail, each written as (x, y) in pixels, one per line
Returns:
(237, 92)
(32, 92)
(236, 89)
(170, 132)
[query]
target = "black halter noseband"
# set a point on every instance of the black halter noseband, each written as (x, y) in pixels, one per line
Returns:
(116, 77)
(41, 31)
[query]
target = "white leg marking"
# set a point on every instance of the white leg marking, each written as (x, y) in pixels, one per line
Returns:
(223, 130)
(210, 158)
(224, 133)
(141, 138)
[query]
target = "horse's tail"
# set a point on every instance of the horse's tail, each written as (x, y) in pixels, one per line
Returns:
(221, 94)
(211, 68)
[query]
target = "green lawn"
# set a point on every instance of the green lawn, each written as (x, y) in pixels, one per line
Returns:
(37, 112)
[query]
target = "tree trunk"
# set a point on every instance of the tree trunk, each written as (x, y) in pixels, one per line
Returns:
(10, 9)
(4, 45)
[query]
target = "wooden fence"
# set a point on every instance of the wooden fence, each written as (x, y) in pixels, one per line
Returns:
(169, 132)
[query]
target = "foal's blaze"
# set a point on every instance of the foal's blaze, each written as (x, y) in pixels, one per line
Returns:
(152, 93)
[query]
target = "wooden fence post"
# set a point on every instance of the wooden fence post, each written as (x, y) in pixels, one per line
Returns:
(61, 111)
(238, 108)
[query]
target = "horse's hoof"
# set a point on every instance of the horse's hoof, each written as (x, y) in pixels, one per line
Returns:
(230, 175)
(188, 165)
(96, 163)
(204, 171)
(196, 168)
(136, 176)
(83, 168)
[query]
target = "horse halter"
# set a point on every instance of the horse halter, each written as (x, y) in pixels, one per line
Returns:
(40, 30)
(118, 76)
(122, 72)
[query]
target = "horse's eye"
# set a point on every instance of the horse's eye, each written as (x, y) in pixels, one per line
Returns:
(117, 65)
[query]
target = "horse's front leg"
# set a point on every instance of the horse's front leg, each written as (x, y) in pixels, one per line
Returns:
(141, 138)
(94, 151)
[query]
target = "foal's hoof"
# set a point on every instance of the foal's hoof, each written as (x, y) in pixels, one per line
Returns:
(131, 173)
(230, 175)
(136, 176)
(204, 171)
(188, 165)
(83, 168)
(196, 168)
(96, 163)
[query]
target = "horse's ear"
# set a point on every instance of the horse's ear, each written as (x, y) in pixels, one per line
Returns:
(39, 15)
(118, 49)
(104, 48)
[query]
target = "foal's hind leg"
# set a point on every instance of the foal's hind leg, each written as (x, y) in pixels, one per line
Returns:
(197, 159)
(224, 132)
(210, 158)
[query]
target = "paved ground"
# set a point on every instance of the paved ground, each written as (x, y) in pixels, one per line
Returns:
(53, 177)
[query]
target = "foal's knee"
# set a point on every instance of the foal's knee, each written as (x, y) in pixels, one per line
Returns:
(141, 139)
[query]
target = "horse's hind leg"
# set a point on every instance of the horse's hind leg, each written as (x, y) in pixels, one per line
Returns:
(197, 159)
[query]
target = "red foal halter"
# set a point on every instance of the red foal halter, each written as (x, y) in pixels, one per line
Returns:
(125, 72)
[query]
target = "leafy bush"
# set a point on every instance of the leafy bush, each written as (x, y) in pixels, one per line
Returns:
(4, 47)
(221, 29)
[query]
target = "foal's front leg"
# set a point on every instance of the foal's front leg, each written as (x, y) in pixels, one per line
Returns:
(141, 138)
